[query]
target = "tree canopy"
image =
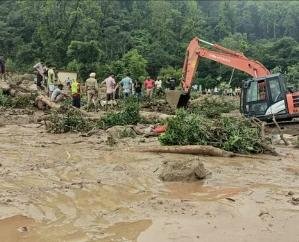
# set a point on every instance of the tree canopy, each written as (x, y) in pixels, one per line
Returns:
(146, 37)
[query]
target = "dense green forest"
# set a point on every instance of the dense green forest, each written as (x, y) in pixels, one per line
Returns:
(147, 37)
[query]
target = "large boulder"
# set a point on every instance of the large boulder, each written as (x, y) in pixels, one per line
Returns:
(183, 170)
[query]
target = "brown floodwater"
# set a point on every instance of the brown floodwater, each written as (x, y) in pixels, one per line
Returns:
(65, 187)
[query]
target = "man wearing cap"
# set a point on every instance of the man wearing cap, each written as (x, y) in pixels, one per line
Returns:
(91, 85)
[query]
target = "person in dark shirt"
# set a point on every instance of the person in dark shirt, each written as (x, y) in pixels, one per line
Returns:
(138, 89)
(2, 67)
(172, 84)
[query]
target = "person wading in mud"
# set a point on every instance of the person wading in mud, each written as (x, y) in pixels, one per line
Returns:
(92, 89)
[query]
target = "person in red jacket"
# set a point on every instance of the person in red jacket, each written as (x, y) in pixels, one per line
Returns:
(149, 86)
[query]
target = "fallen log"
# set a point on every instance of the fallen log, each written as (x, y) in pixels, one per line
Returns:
(56, 106)
(206, 150)
(189, 149)
(47, 101)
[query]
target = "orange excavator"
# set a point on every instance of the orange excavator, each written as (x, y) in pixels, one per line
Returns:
(264, 95)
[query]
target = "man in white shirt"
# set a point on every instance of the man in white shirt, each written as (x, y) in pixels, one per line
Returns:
(158, 86)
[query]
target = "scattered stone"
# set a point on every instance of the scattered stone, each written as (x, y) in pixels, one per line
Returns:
(230, 199)
(23, 229)
(119, 168)
(290, 193)
(78, 184)
(110, 140)
(8, 200)
(295, 201)
(184, 170)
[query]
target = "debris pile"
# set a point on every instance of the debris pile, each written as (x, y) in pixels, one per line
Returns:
(231, 134)
(128, 115)
(212, 106)
(66, 120)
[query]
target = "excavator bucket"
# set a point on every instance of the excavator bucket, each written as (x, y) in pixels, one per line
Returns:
(177, 99)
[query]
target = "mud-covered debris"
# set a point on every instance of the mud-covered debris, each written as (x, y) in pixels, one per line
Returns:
(183, 170)
(118, 132)
(23, 229)
(110, 140)
(119, 168)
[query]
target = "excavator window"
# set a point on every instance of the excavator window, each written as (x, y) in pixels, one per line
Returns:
(257, 91)
(275, 90)
(255, 98)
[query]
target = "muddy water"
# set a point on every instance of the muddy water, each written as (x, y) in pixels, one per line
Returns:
(70, 188)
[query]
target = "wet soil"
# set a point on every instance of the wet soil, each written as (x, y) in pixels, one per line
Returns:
(65, 187)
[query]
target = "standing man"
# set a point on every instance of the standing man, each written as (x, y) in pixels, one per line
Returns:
(39, 74)
(138, 89)
(158, 86)
(75, 89)
(51, 78)
(92, 88)
(110, 87)
(149, 85)
(2, 67)
(172, 83)
(127, 86)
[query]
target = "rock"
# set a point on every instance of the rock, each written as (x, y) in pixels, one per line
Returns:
(295, 200)
(185, 170)
(23, 229)
(110, 140)
(118, 132)
(119, 168)
(290, 193)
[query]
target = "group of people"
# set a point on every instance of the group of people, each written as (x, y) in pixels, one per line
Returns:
(126, 87)
(46, 80)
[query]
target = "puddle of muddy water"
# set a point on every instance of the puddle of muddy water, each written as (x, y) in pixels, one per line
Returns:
(198, 191)
(127, 231)
(16, 228)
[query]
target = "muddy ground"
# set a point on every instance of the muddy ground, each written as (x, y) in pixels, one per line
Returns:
(65, 187)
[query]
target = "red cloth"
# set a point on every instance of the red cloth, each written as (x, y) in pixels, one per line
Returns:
(149, 83)
(159, 129)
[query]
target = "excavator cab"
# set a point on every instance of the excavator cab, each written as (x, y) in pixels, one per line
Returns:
(263, 97)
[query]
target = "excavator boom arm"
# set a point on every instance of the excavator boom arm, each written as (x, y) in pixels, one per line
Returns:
(224, 56)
